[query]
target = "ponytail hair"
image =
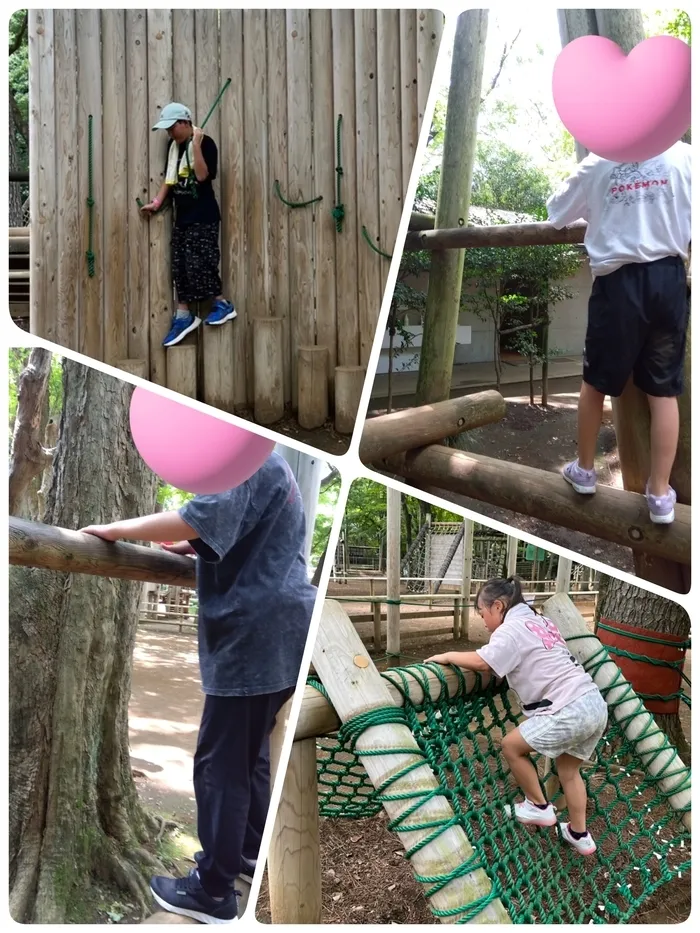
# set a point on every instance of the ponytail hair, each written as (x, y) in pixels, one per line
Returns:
(509, 592)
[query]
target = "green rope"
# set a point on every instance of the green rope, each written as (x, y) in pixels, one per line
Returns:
(642, 843)
(89, 255)
(214, 105)
(338, 211)
(278, 192)
(681, 645)
(376, 249)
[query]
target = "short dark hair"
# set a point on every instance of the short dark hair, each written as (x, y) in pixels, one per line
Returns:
(509, 591)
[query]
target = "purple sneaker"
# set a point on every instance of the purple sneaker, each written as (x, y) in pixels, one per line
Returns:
(582, 480)
(661, 508)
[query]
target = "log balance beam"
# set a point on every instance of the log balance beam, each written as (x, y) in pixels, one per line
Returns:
(33, 544)
(529, 234)
(416, 427)
(611, 514)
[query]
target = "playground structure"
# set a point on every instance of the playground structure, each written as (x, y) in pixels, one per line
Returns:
(422, 743)
(408, 444)
(19, 273)
(317, 134)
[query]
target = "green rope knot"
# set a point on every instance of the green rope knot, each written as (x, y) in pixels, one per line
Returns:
(278, 192)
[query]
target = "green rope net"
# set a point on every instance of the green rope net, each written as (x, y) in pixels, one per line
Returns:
(642, 843)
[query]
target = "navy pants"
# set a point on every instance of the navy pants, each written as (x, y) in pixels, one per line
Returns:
(232, 783)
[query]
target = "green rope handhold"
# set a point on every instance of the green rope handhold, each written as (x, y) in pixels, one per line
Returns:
(278, 192)
(375, 248)
(89, 255)
(338, 211)
(681, 645)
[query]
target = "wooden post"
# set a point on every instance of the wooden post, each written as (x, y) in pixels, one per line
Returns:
(181, 368)
(564, 575)
(409, 93)
(134, 367)
(445, 284)
(570, 623)
(268, 364)
(511, 555)
(612, 514)
(377, 624)
(467, 557)
(354, 686)
(416, 427)
(349, 381)
(456, 615)
(393, 572)
(312, 377)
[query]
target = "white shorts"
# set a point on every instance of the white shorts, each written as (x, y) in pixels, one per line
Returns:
(575, 730)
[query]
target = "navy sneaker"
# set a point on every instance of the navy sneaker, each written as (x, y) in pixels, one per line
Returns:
(247, 867)
(221, 311)
(187, 897)
(180, 328)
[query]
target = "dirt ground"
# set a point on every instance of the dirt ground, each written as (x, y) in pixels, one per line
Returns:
(546, 439)
(365, 877)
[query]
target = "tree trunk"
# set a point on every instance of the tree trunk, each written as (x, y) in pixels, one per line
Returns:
(625, 603)
(75, 815)
(29, 458)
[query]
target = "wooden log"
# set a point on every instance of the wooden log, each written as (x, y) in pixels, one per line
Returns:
(312, 369)
(421, 221)
(404, 430)
(393, 572)
(346, 241)
(376, 626)
(324, 183)
(137, 141)
(409, 93)
(278, 234)
(269, 369)
(612, 514)
(70, 249)
(160, 91)
(19, 275)
(572, 626)
(369, 263)
(445, 283)
(18, 232)
(530, 234)
(134, 367)
(467, 559)
(294, 861)
(511, 555)
(349, 381)
(389, 124)
(33, 544)
(355, 686)
(456, 618)
(181, 369)
(230, 376)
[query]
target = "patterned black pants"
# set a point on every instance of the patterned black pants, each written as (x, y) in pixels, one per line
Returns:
(195, 262)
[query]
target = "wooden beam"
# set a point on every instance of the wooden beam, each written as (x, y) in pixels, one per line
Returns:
(611, 514)
(33, 544)
(416, 427)
(633, 719)
(420, 221)
(531, 234)
(355, 686)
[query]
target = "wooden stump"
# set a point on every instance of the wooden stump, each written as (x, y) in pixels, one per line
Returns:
(181, 369)
(349, 381)
(134, 367)
(312, 371)
(268, 365)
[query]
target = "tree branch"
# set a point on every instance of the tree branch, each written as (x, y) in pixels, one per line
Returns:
(18, 38)
(507, 49)
(332, 478)
(513, 330)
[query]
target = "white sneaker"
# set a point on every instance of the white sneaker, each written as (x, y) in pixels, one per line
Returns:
(531, 815)
(584, 846)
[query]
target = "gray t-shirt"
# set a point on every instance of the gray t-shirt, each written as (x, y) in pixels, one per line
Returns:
(531, 652)
(255, 598)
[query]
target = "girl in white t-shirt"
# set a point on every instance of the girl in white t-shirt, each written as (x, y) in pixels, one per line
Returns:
(565, 712)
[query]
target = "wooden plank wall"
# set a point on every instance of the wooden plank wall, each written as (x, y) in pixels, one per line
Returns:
(293, 74)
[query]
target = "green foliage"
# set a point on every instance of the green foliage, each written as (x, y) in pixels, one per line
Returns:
(507, 180)
(172, 499)
(17, 360)
(19, 79)
(327, 501)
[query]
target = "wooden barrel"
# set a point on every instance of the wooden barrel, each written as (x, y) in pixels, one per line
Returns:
(646, 676)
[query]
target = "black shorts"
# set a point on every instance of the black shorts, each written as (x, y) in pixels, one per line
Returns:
(637, 323)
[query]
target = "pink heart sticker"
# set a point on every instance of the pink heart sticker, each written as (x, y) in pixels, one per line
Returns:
(625, 108)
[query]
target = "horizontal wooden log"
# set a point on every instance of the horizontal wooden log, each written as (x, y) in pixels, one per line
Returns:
(531, 234)
(18, 231)
(421, 221)
(33, 544)
(19, 245)
(417, 427)
(19, 275)
(20, 177)
(611, 514)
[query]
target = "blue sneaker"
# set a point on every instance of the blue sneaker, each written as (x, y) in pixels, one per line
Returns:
(221, 311)
(180, 328)
(187, 897)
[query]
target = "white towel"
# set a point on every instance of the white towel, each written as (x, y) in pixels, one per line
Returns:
(174, 172)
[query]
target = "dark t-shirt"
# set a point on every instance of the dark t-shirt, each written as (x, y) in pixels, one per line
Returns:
(255, 598)
(195, 202)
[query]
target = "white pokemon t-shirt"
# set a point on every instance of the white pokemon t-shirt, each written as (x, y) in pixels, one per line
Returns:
(531, 652)
(636, 211)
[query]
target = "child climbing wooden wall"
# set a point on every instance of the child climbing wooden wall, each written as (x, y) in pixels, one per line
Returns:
(323, 106)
